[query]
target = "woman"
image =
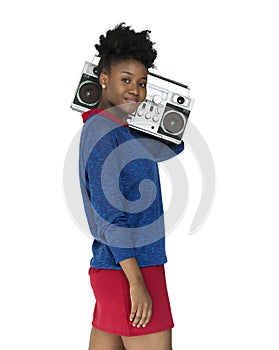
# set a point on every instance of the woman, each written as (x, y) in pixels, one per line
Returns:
(121, 191)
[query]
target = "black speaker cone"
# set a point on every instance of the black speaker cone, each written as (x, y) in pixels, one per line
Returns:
(173, 122)
(89, 93)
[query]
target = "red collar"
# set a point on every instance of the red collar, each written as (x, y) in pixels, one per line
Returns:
(104, 113)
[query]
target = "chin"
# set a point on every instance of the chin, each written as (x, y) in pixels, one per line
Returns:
(128, 107)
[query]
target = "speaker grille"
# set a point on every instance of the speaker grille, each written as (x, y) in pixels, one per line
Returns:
(173, 122)
(89, 93)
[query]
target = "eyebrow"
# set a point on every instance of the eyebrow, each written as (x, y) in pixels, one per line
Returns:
(126, 72)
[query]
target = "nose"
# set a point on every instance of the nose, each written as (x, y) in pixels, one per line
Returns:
(134, 89)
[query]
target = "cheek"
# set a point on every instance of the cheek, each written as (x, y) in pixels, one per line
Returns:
(143, 94)
(112, 95)
(114, 92)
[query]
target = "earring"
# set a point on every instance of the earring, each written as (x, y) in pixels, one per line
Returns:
(103, 86)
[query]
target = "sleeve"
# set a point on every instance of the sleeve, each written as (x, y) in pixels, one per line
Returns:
(105, 191)
(160, 149)
(169, 150)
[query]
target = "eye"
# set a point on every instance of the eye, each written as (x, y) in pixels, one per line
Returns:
(126, 80)
(142, 85)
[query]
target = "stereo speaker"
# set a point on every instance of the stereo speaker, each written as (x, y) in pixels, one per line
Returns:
(88, 93)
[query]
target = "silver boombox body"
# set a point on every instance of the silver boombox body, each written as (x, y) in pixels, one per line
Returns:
(163, 114)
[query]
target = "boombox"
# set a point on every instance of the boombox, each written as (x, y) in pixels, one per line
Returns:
(163, 114)
(89, 91)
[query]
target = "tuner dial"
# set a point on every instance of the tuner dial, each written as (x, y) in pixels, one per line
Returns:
(156, 99)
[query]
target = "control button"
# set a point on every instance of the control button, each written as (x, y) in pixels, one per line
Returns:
(140, 113)
(156, 99)
(148, 116)
(155, 118)
(158, 110)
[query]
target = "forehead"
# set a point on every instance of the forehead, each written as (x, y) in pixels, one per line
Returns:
(130, 66)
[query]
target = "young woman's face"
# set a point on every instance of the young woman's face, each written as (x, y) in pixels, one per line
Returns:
(124, 86)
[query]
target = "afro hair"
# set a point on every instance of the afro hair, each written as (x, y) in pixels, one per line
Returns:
(123, 43)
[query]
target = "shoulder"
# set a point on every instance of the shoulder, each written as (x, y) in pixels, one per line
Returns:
(97, 124)
(98, 128)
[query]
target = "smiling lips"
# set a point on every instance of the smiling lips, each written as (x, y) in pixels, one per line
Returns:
(131, 100)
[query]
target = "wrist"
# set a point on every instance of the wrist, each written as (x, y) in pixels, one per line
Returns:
(135, 281)
(132, 271)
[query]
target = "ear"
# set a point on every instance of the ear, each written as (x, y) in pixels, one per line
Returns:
(103, 79)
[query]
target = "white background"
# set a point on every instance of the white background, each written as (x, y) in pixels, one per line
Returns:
(223, 280)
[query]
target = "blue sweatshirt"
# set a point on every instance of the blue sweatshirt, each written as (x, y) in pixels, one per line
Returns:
(120, 186)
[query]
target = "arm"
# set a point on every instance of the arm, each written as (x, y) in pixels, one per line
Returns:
(160, 149)
(169, 150)
(112, 224)
(141, 309)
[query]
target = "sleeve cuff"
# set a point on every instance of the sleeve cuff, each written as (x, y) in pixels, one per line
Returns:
(120, 254)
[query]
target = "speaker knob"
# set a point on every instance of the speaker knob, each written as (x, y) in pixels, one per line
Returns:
(156, 99)
(155, 118)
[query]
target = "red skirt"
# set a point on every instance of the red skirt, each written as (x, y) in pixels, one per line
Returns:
(113, 304)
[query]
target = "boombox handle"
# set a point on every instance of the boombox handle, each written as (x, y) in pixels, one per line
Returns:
(169, 80)
(96, 60)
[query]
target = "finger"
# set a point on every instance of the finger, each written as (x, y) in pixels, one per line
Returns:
(143, 315)
(134, 309)
(133, 312)
(148, 317)
(137, 317)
